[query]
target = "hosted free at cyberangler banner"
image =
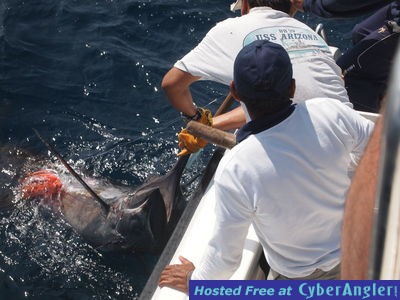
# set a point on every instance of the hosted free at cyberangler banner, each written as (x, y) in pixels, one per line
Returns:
(294, 289)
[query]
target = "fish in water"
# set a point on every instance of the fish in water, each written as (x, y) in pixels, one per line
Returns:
(138, 220)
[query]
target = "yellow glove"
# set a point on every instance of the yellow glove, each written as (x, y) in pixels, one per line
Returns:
(188, 142)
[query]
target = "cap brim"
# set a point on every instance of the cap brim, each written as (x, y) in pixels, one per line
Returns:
(237, 5)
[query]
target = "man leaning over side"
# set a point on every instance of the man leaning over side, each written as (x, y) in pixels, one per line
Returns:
(315, 71)
(288, 176)
(339, 8)
(366, 65)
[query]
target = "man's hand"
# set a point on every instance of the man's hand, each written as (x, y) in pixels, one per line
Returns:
(177, 276)
(188, 142)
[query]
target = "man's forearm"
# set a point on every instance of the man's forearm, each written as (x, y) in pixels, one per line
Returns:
(176, 85)
(233, 119)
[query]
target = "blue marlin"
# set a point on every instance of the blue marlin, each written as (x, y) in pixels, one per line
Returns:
(136, 220)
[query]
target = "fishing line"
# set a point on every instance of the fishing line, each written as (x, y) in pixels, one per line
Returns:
(125, 142)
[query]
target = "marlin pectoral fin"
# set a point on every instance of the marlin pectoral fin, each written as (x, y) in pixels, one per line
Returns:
(157, 215)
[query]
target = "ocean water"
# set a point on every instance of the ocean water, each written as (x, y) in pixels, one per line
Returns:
(87, 75)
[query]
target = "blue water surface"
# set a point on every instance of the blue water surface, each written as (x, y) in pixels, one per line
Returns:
(86, 74)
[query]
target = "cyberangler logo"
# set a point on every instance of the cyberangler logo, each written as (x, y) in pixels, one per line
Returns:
(341, 289)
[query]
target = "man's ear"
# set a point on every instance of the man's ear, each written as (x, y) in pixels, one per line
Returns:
(233, 91)
(292, 88)
(245, 7)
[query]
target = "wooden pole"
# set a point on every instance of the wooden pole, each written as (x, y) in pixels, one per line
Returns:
(212, 135)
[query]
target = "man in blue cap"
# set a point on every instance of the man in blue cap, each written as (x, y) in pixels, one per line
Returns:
(288, 176)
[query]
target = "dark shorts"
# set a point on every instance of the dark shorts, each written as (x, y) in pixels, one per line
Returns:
(367, 65)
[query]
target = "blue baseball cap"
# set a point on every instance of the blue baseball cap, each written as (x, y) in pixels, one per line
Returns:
(262, 70)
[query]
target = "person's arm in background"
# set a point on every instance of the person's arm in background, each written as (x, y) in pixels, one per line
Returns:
(339, 8)
(359, 211)
(230, 120)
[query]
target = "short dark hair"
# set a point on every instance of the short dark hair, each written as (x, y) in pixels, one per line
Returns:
(282, 5)
(269, 105)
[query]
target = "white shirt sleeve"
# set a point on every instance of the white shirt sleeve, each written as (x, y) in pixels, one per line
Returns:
(209, 60)
(360, 129)
(224, 252)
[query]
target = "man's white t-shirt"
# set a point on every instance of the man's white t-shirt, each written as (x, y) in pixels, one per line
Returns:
(315, 71)
(290, 181)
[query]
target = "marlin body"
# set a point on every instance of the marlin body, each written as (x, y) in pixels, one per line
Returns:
(139, 220)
